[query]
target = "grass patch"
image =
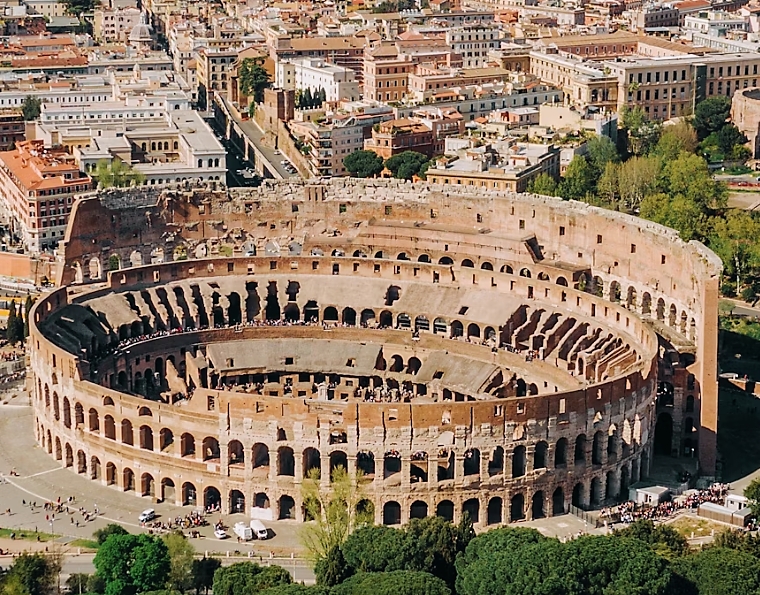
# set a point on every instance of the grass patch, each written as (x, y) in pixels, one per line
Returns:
(686, 525)
(89, 544)
(27, 535)
(737, 170)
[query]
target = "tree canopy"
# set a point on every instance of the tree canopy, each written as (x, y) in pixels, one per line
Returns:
(253, 78)
(363, 164)
(116, 173)
(132, 564)
(397, 582)
(31, 108)
(407, 164)
(710, 115)
(244, 578)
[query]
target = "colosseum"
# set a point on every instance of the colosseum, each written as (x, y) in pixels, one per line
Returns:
(467, 351)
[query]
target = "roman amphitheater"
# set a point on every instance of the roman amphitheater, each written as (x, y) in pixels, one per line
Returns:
(467, 351)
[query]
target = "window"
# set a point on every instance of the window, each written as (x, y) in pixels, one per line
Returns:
(633, 248)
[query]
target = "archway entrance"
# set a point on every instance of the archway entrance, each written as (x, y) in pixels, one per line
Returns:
(663, 434)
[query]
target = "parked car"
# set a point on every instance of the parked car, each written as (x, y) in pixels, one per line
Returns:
(147, 515)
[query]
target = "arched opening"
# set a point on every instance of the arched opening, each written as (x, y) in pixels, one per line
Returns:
(235, 454)
(558, 502)
(543, 276)
(330, 314)
(391, 463)
(525, 273)
(471, 508)
(403, 320)
(440, 326)
(418, 510)
(386, 319)
(630, 299)
(287, 508)
(210, 448)
(506, 269)
(93, 420)
(392, 513)
(540, 455)
(615, 292)
(167, 490)
(472, 462)
(468, 263)
(517, 508)
(445, 260)
(486, 266)
(495, 506)
(413, 365)
(496, 464)
(189, 494)
(147, 485)
(473, 330)
(580, 450)
(349, 316)
(292, 313)
(126, 432)
(212, 499)
(110, 474)
(579, 492)
(165, 439)
(365, 463)
(260, 457)
(596, 491)
(397, 363)
(537, 506)
(445, 510)
(128, 480)
(690, 404)
(311, 460)
(367, 317)
(518, 461)
(146, 438)
(421, 323)
(457, 329)
(423, 258)
(338, 458)
(673, 313)
(646, 304)
(66, 412)
(58, 449)
(663, 435)
(81, 462)
(561, 281)
(597, 448)
(560, 453)
(237, 501)
(187, 445)
(286, 462)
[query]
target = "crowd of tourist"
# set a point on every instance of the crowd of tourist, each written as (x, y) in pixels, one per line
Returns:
(12, 377)
(630, 511)
(190, 521)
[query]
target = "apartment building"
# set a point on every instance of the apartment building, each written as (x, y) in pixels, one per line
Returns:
(314, 74)
(511, 169)
(113, 25)
(347, 52)
(653, 16)
(38, 186)
(428, 78)
(473, 43)
(715, 22)
(671, 87)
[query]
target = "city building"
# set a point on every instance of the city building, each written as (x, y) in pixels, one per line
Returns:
(38, 186)
(312, 73)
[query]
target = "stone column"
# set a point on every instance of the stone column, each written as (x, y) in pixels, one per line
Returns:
(406, 480)
(325, 473)
(530, 452)
(508, 456)
(484, 459)
(298, 467)
(224, 460)
(274, 460)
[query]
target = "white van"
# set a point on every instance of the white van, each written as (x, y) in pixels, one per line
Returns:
(259, 530)
(147, 515)
(243, 531)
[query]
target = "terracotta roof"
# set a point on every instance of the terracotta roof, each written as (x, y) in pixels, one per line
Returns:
(305, 44)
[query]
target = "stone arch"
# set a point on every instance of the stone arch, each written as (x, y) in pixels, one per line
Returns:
(517, 507)
(81, 462)
(445, 510)
(147, 485)
(93, 420)
(663, 434)
(136, 258)
(525, 272)
(338, 458)
(127, 436)
(560, 453)
(457, 329)
(365, 463)
(236, 501)
(259, 456)
(94, 268)
(646, 304)
(496, 464)
(596, 491)
(537, 506)
(56, 407)
(494, 512)
(579, 457)
(286, 463)
(506, 269)
(597, 448)
(519, 464)
(66, 412)
(471, 508)
(540, 458)
(418, 510)
(543, 276)
(165, 439)
(167, 489)
(682, 325)
(330, 314)
(558, 501)
(349, 316)
(445, 260)
(467, 263)
(189, 494)
(127, 480)
(210, 448)
(561, 281)
(367, 315)
(311, 460)
(235, 453)
(187, 445)
(615, 292)
(473, 330)
(212, 498)
(486, 266)
(391, 513)
(472, 461)
(579, 494)
(146, 437)
(672, 315)
(630, 299)
(286, 507)
(58, 449)
(423, 258)
(110, 474)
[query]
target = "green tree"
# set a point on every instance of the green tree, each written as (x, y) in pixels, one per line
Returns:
(406, 165)
(77, 583)
(734, 238)
(398, 582)
(543, 184)
(332, 569)
(12, 332)
(296, 590)
(678, 212)
(116, 173)
(601, 151)
(95, 584)
(642, 134)
(203, 573)
(676, 139)
(607, 188)
(638, 177)
(34, 574)
(363, 164)
(132, 564)
(253, 78)
(334, 508)
(720, 571)
(110, 529)
(689, 176)
(181, 554)
(308, 99)
(31, 108)
(663, 539)
(710, 115)
(752, 493)
(729, 137)
(245, 578)
(578, 180)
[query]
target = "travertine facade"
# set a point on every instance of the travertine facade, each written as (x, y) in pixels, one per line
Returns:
(529, 384)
